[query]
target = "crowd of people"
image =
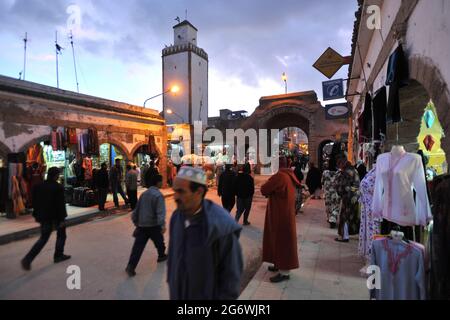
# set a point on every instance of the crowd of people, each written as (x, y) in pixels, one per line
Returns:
(204, 255)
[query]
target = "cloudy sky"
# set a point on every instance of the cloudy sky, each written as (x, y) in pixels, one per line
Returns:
(118, 45)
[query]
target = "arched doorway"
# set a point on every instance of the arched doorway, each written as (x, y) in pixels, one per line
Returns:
(421, 129)
(324, 153)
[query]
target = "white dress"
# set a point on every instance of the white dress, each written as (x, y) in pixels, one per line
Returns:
(393, 199)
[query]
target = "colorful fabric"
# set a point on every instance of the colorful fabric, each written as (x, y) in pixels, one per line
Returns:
(369, 225)
(347, 182)
(332, 199)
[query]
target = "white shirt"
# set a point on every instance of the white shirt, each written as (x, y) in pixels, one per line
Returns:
(393, 199)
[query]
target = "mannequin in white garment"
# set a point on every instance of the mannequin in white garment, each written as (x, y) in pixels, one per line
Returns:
(397, 152)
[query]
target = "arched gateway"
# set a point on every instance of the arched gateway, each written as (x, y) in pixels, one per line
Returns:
(301, 110)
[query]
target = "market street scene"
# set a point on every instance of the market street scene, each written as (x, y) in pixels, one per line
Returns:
(220, 151)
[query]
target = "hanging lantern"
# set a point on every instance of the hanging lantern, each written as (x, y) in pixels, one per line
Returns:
(429, 119)
(429, 142)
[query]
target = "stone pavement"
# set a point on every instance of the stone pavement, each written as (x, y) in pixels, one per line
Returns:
(25, 226)
(328, 270)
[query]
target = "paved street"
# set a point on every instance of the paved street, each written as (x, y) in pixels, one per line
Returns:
(101, 249)
(328, 270)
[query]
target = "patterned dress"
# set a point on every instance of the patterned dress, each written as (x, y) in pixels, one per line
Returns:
(369, 225)
(348, 190)
(332, 199)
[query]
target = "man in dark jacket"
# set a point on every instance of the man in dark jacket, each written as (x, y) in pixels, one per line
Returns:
(102, 186)
(50, 211)
(205, 257)
(245, 188)
(149, 217)
(226, 188)
(115, 178)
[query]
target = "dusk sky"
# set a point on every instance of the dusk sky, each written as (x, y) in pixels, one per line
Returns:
(118, 45)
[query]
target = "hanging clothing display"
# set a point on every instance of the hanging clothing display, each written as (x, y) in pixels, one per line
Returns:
(332, 199)
(366, 121)
(347, 187)
(397, 77)
(402, 267)
(36, 154)
(87, 166)
(379, 112)
(57, 140)
(393, 200)
(71, 135)
(93, 145)
(369, 225)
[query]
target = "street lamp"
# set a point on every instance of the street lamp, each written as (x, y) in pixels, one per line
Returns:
(170, 111)
(284, 78)
(174, 89)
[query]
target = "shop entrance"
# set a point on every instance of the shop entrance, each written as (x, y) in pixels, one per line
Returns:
(420, 129)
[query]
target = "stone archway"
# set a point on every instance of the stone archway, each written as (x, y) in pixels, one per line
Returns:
(425, 72)
(118, 144)
(301, 110)
(320, 163)
(33, 142)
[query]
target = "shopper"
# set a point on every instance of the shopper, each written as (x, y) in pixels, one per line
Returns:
(149, 217)
(50, 211)
(245, 188)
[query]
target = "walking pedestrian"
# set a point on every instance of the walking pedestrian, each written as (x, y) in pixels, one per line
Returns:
(50, 211)
(102, 186)
(280, 235)
(297, 169)
(205, 257)
(245, 188)
(149, 217)
(151, 171)
(226, 188)
(131, 183)
(115, 179)
(347, 182)
(314, 181)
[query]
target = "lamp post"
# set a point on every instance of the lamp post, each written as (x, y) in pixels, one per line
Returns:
(284, 78)
(170, 111)
(173, 89)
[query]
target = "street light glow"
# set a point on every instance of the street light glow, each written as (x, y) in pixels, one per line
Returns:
(175, 89)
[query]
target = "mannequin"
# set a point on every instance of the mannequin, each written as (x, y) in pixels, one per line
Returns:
(397, 152)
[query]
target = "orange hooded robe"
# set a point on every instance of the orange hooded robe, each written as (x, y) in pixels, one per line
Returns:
(280, 234)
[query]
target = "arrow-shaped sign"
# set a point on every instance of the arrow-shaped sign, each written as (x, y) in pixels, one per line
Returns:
(330, 62)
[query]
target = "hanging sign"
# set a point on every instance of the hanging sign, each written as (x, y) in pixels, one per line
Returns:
(333, 89)
(330, 62)
(337, 111)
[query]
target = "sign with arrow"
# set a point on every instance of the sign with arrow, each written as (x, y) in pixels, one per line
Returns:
(330, 62)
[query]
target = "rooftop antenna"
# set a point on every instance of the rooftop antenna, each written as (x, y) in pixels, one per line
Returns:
(186, 14)
(57, 51)
(25, 40)
(74, 61)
